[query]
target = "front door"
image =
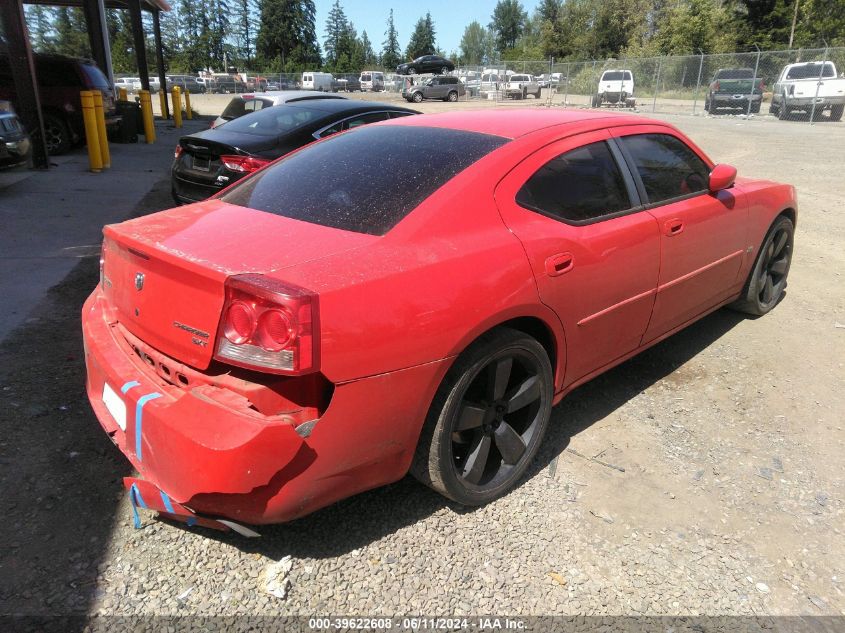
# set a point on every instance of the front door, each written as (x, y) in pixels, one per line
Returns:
(702, 235)
(594, 251)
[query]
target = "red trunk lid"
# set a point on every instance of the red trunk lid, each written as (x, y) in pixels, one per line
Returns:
(165, 273)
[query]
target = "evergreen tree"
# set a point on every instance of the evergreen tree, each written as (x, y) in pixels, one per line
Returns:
(71, 33)
(367, 50)
(287, 37)
(391, 55)
(39, 21)
(336, 29)
(507, 23)
(422, 39)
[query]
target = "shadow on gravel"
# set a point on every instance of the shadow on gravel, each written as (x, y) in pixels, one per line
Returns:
(367, 517)
(60, 476)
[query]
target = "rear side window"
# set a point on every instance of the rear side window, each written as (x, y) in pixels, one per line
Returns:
(578, 186)
(235, 109)
(365, 181)
(668, 168)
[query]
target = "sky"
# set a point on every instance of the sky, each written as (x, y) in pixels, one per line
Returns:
(450, 18)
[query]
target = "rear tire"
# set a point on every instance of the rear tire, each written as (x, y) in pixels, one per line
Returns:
(417, 97)
(767, 280)
(57, 135)
(755, 108)
(487, 419)
(836, 112)
(444, 70)
(783, 110)
(452, 96)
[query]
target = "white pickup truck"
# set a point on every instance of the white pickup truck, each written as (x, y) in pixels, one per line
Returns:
(520, 86)
(799, 86)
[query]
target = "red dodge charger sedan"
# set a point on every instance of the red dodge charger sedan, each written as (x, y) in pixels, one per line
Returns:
(410, 295)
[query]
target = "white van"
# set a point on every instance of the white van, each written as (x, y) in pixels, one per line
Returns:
(372, 80)
(317, 81)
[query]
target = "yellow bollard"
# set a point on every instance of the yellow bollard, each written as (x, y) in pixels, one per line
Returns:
(162, 100)
(121, 94)
(177, 107)
(188, 112)
(147, 115)
(89, 117)
(105, 155)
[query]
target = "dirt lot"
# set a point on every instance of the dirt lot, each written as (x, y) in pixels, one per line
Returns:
(703, 477)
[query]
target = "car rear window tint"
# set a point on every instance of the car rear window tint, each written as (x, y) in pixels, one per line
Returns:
(810, 71)
(274, 121)
(578, 186)
(364, 181)
(616, 76)
(235, 109)
(735, 73)
(95, 76)
(668, 168)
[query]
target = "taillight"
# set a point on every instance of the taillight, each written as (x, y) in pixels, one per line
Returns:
(243, 164)
(268, 325)
(178, 151)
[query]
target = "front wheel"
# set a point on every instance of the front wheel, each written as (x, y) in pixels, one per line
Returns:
(57, 135)
(412, 71)
(444, 70)
(417, 98)
(487, 419)
(453, 96)
(767, 279)
(836, 112)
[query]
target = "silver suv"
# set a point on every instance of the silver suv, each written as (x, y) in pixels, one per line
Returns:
(439, 87)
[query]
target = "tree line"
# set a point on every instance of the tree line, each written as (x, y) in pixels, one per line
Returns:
(282, 35)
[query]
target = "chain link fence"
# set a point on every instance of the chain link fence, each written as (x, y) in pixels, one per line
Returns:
(750, 84)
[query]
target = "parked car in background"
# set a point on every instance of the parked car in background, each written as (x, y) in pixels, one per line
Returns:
(412, 297)
(734, 88)
(799, 86)
(372, 81)
(426, 64)
(317, 81)
(127, 83)
(543, 80)
(228, 84)
(616, 87)
(208, 161)
(186, 83)
(251, 102)
(346, 84)
(445, 88)
(15, 146)
(208, 84)
(60, 80)
(490, 81)
(521, 85)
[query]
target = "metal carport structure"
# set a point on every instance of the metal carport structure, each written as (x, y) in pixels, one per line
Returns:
(14, 33)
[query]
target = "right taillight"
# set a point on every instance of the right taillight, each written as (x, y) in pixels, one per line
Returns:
(243, 164)
(268, 325)
(178, 151)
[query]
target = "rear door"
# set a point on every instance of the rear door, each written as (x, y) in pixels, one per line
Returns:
(594, 251)
(702, 235)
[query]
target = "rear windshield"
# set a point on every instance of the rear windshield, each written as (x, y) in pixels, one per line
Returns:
(364, 181)
(810, 71)
(366, 77)
(735, 73)
(519, 78)
(616, 75)
(235, 109)
(274, 121)
(95, 76)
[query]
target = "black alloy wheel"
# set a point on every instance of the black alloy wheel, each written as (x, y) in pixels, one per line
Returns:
(487, 420)
(767, 280)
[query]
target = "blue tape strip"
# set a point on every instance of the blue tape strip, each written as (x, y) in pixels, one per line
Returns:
(139, 412)
(129, 385)
(167, 505)
(136, 499)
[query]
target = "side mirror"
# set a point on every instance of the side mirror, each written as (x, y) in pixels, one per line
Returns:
(721, 177)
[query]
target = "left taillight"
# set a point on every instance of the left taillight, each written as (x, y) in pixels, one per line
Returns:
(243, 164)
(268, 325)
(178, 151)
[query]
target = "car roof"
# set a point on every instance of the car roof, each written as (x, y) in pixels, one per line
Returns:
(513, 123)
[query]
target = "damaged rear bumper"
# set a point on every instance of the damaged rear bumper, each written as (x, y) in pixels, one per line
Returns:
(218, 461)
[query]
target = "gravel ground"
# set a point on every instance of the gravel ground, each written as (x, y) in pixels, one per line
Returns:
(703, 477)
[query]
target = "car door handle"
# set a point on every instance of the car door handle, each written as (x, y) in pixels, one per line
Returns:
(673, 227)
(559, 264)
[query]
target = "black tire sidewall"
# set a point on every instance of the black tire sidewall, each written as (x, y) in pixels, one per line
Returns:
(456, 384)
(751, 294)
